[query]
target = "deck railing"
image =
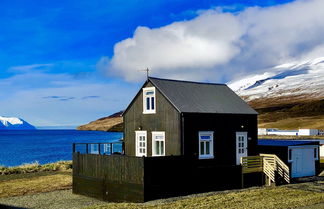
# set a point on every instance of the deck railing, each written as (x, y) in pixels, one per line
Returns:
(109, 148)
(269, 164)
(278, 165)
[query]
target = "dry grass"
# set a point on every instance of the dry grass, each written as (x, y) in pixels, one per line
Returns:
(36, 184)
(36, 167)
(315, 122)
(104, 124)
(273, 197)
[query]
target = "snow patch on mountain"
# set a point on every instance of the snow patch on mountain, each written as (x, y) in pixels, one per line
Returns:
(13, 123)
(290, 79)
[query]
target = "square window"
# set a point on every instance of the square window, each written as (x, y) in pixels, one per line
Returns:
(206, 144)
(158, 143)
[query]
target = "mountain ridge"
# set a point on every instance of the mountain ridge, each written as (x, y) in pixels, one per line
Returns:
(283, 84)
(14, 123)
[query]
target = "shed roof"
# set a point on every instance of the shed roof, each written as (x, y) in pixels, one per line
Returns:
(195, 97)
(284, 143)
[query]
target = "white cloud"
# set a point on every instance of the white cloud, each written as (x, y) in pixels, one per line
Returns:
(215, 44)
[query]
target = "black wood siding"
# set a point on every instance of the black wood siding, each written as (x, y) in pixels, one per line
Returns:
(225, 127)
(166, 118)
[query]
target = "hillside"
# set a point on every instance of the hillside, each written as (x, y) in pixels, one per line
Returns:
(112, 123)
(308, 114)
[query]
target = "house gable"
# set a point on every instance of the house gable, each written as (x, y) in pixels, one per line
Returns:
(166, 118)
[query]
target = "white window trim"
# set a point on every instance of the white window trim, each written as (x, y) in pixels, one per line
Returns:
(145, 111)
(211, 151)
(137, 133)
(157, 133)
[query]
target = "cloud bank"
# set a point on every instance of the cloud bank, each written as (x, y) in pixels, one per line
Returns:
(219, 46)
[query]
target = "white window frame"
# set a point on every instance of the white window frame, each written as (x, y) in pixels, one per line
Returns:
(211, 144)
(145, 110)
(137, 143)
(154, 140)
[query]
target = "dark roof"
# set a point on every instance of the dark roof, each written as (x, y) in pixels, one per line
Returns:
(195, 97)
(285, 143)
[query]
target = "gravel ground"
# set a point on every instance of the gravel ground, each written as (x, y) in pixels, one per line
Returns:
(63, 199)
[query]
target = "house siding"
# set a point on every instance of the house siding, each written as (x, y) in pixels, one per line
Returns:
(224, 127)
(166, 118)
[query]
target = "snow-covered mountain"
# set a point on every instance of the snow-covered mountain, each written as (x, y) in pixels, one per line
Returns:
(285, 83)
(12, 123)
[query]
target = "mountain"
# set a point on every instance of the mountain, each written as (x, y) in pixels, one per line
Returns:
(283, 84)
(12, 123)
(288, 96)
(112, 123)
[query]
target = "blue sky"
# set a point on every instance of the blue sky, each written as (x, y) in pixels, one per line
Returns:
(69, 62)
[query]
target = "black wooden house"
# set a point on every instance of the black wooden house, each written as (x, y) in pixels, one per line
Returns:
(180, 137)
(199, 120)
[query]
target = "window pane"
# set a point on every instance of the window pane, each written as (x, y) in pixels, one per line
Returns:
(207, 148)
(202, 148)
(152, 103)
(242, 150)
(162, 147)
(149, 93)
(147, 103)
(157, 149)
(205, 137)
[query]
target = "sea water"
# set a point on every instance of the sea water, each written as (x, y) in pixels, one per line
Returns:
(46, 146)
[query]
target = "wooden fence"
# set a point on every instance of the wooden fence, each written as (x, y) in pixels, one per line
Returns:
(113, 178)
(138, 179)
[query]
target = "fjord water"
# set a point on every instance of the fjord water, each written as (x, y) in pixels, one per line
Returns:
(45, 146)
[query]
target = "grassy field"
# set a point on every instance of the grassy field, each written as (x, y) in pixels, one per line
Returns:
(314, 122)
(45, 182)
(36, 167)
(292, 116)
(34, 178)
(50, 187)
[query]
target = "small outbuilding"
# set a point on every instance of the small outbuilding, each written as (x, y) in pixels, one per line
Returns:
(302, 157)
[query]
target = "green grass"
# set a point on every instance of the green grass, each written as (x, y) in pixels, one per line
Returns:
(36, 167)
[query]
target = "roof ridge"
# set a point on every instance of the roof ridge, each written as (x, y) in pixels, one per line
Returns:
(196, 82)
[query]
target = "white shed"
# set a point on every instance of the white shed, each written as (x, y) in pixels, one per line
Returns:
(301, 156)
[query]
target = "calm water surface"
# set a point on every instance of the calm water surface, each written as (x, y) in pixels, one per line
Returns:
(45, 146)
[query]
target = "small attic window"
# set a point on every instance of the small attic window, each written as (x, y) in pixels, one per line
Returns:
(149, 100)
